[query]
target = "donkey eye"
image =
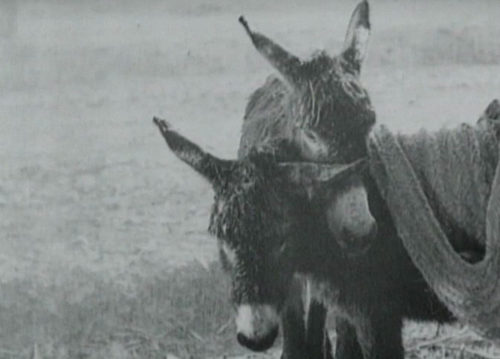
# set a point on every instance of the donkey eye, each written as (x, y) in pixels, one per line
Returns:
(311, 135)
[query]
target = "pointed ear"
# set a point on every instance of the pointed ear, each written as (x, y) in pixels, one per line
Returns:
(287, 64)
(315, 177)
(210, 167)
(356, 40)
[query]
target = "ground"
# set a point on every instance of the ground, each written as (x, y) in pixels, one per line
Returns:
(104, 251)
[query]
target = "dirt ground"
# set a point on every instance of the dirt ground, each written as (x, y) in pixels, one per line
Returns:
(88, 186)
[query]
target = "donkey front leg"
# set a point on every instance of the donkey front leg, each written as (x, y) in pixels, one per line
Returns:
(304, 331)
(293, 328)
(317, 340)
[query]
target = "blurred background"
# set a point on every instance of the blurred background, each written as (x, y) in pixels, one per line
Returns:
(103, 244)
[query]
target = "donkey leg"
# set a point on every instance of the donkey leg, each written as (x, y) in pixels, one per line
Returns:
(376, 335)
(388, 342)
(303, 322)
(292, 325)
(317, 340)
(380, 336)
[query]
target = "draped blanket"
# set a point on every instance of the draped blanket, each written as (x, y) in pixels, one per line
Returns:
(443, 193)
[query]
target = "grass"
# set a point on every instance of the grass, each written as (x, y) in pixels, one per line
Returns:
(181, 313)
(184, 312)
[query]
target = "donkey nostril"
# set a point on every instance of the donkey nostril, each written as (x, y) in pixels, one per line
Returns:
(242, 339)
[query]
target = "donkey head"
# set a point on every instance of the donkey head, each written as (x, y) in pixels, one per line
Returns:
(331, 110)
(265, 215)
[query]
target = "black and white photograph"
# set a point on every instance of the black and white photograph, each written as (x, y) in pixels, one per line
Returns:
(249, 179)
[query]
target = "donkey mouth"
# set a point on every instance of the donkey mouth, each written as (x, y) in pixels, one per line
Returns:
(356, 246)
(260, 344)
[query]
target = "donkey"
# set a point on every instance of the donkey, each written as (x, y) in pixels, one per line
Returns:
(281, 124)
(271, 221)
(304, 115)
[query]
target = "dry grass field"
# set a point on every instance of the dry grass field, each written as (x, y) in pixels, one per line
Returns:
(103, 244)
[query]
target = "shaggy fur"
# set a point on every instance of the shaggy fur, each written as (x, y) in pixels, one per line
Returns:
(325, 121)
(247, 205)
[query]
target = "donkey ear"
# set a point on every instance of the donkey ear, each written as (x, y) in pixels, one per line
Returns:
(356, 40)
(210, 167)
(287, 64)
(315, 177)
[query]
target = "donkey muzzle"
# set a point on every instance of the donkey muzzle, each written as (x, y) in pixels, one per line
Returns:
(257, 326)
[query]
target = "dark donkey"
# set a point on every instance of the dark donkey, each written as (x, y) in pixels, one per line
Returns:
(272, 223)
(320, 112)
(308, 116)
